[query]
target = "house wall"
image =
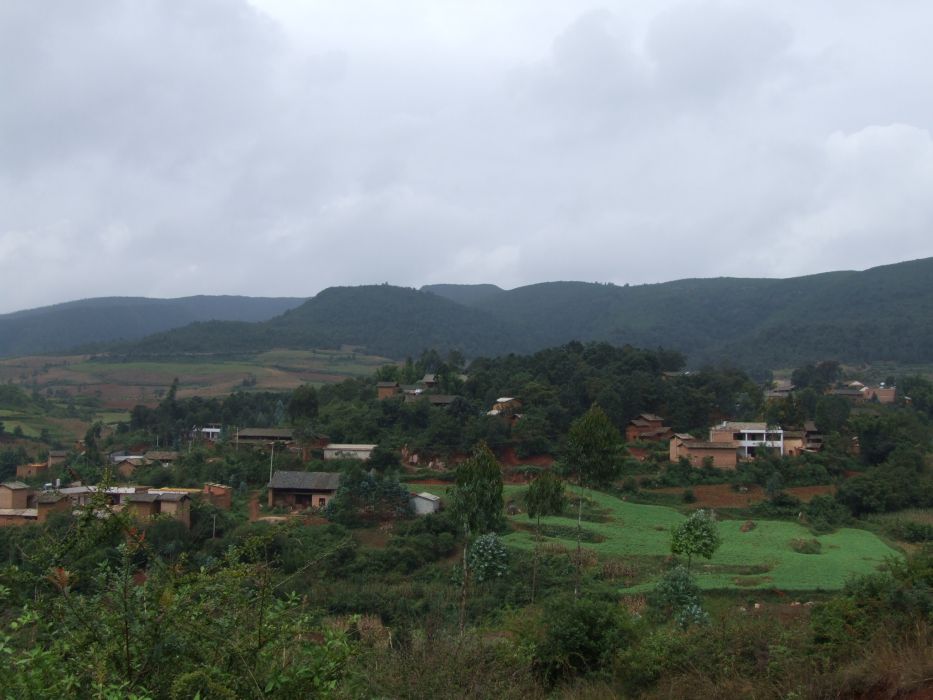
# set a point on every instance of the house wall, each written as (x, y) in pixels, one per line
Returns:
(29, 471)
(44, 510)
(347, 454)
(722, 459)
(12, 520)
(422, 506)
(180, 510)
(219, 495)
(281, 498)
(13, 498)
(387, 392)
(143, 510)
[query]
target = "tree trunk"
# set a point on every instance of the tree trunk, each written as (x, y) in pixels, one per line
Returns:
(463, 585)
(534, 561)
(576, 583)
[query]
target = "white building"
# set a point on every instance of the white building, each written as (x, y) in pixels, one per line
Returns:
(749, 437)
(425, 503)
(347, 451)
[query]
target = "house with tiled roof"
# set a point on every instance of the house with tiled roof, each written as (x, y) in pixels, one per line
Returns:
(301, 490)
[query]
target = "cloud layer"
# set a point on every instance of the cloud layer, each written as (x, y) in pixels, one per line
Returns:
(160, 148)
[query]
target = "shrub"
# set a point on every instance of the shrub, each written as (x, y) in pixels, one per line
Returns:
(802, 546)
(688, 496)
(580, 637)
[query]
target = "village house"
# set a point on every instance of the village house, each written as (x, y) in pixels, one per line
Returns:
(301, 490)
(429, 381)
(386, 390)
(336, 450)
(647, 426)
(57, 457)
(218, 495)
(263, 436)
(163, 457)
(127, 467)
(722, 455)
(19, 505)
(31, 471)
(425, 503)
(748, 438)
(795, 442)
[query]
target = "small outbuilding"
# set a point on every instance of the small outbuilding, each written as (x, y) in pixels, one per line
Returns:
(425, 503)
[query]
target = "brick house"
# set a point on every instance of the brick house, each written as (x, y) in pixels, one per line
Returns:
(647, 426)
(722, 454)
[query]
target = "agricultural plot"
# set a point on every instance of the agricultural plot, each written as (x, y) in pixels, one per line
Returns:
(122, 385)
(762, 557)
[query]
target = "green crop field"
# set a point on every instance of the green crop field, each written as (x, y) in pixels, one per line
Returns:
(760, 558)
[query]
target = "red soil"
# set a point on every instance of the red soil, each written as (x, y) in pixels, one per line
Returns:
(722, 495)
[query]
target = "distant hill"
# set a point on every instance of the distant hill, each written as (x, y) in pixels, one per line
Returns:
(467, 294)
(386, 320)
(64, 326)
(885, 313)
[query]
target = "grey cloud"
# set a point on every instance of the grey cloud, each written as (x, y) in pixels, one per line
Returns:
(173, 148)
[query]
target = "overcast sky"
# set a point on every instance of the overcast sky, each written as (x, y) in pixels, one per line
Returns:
(278, 147)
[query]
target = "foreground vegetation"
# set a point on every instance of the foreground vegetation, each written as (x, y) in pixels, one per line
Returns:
(521, 589)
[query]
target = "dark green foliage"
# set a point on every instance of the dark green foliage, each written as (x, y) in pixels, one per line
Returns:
(824, 514)
(580, 637)
(545, 496)
(698, 535)
(365, 497)
(476, 498)
(593, 450)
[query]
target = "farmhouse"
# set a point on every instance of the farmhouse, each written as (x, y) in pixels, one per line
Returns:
(722, 455)
(386, 390)
(647, 427)
(57, 457)
(31, 471)
(300, 490)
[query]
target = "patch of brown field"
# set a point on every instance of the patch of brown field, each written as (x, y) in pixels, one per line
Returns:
(723, 495)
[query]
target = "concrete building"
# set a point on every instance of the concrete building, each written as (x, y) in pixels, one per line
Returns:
(425, 503)
(748, 438)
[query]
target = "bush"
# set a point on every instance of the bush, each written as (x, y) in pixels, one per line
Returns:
(688, 496)
(675, 592)
(580, 637)
(802, 546)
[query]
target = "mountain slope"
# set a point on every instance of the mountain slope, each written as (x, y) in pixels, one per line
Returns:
(65, 326)
(386, 320)
(885, 313)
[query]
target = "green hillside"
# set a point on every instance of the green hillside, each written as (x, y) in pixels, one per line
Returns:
(65, 326)
(881, 314)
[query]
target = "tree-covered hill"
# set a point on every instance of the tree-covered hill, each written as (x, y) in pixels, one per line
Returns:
(885, 313)
(386, 320)
(65, 326)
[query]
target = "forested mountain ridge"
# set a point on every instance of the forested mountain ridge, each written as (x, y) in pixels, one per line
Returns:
(884, 313)
(64, 326)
